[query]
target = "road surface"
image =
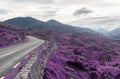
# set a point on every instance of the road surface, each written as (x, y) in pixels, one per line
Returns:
(12, 55)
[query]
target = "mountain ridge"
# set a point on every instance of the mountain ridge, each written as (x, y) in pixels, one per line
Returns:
(115, 32)
(50, 25)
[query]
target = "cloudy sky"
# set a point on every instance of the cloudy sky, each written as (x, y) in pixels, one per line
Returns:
(61, 10)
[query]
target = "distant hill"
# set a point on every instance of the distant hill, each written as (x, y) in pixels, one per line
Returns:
(52, 21)
(115, 32)
(102, 31)
(107, 22)
(98, 22)
(51, 25)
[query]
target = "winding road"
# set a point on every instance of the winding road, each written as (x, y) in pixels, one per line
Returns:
(11, 55)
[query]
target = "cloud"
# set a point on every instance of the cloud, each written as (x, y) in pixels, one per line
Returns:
(49, 14)
(46, 11)
(96, 3)
(34, 1)
(82, 11)
(3, 11)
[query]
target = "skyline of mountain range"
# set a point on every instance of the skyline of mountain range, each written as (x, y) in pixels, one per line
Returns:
(56, 26)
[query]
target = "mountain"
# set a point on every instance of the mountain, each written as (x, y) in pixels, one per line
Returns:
(87, 31)
(29, 22)
(102, 31)
(51, 25)
(52, 21)
(23, 22)
(115, 32)
(109, 23)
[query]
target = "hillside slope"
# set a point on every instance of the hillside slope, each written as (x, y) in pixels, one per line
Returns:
(10, 35)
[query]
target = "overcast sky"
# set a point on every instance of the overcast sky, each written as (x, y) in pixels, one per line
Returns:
(61, 10)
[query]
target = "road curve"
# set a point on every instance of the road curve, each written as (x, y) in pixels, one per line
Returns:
(11, 55)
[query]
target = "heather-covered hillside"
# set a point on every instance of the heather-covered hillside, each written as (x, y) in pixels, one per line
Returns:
(78, 56)
(70, 56)
(73, 55)
(81, 56)
(10, 35)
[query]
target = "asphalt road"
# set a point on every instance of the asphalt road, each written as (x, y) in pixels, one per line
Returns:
(12, 55)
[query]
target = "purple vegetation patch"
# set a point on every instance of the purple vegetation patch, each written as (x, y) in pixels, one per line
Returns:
(10, 35)
(84, 57)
